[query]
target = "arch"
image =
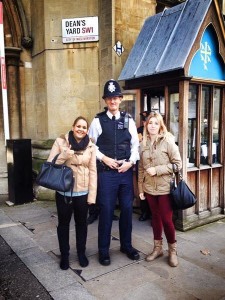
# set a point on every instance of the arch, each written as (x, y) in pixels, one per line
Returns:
(16, 39)
(207, 61)
(15, 25)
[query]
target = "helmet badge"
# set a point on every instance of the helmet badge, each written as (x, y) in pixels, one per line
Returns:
(111, 87)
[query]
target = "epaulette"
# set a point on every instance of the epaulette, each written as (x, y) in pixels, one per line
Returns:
(100, 114)
(124, 113)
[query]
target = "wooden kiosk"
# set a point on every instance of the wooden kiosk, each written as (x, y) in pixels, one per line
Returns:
(177, 67)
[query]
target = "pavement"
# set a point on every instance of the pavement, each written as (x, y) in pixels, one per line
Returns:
(29, 240)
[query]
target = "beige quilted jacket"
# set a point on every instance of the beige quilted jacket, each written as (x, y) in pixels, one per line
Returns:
(160, 155)
(83, 164)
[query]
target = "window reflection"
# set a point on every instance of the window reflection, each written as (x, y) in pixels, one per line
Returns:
(204, 125)
(128, 104)
(216, 120)
(174, 111)
(192, 109)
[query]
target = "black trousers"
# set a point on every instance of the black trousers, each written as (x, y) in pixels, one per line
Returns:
(79, 207)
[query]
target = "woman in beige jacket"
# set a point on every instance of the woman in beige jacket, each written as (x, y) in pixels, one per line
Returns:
(157, 153)
(78, 152)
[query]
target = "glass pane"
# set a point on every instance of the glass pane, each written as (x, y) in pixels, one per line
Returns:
(173, 125)
(174, 115)
(216, 125)
(128, 104)
(204, 124)
(154, 100)
(192, 108)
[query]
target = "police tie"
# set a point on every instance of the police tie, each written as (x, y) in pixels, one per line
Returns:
(113, 118)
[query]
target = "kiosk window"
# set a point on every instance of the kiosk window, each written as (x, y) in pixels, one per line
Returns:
(215, 124)
(128, 104)
(174, 111)
(192, 109)
(205, 130)
(209, 108)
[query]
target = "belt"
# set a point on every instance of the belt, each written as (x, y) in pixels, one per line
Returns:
(101, 167)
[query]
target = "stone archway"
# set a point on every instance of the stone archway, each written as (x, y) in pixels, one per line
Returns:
(16, 39)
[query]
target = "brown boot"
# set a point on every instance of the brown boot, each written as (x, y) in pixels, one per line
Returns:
(173, 261)
(157, 251)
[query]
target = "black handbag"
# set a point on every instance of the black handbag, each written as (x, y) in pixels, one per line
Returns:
(181, 195)
(56, 177)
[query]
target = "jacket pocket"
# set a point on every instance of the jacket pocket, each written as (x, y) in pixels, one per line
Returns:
(163, 183)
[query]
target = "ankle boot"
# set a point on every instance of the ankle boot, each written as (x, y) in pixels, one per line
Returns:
(64, 263)
(172, 250)
(157, 251)
(83, 260)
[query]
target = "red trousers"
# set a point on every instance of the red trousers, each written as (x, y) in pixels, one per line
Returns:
(162, 217)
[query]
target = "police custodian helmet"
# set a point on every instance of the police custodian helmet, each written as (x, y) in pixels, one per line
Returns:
(112, 89)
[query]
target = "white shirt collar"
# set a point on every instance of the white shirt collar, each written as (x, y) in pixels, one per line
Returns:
(117, 115)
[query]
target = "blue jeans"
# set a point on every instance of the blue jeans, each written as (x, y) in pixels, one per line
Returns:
(112, 186)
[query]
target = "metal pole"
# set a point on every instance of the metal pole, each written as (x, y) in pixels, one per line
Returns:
(3, 77)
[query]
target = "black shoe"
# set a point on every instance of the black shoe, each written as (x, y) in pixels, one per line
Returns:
(64, 263)
(83, 260)
(104, 260)
(131, 253)
(91, 219)
(115, 218)
(144, 217)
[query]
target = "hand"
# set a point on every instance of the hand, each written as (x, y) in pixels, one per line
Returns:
(68, 151)
(110, 162)
(126, 165)
(142, 196)
(151, 171)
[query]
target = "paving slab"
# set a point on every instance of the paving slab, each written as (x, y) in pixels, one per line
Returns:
(71, 293)
(122, 282)
(26, 212)
(52, 277)
(47, 240)
(118, 260)
(17, 238)
(34, 257)
(208, 258)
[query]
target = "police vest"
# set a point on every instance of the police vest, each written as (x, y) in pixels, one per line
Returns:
(114, 141)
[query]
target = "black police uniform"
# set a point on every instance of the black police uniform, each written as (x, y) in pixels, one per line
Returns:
(114, 142)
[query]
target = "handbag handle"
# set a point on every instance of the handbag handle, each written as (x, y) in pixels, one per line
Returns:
(55, 158)
(70, 201)
(176, 171)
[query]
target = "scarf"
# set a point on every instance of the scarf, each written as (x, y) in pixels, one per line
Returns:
(82, 145)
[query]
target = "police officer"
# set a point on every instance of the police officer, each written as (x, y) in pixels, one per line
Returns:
(115, 135)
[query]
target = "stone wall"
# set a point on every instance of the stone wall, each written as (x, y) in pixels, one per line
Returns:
(40, 153)
(66, 76)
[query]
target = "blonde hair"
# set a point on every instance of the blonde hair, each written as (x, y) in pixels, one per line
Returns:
(162, 128)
